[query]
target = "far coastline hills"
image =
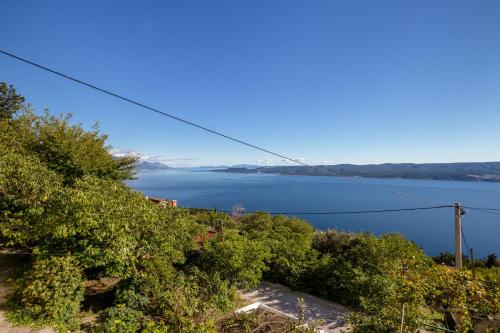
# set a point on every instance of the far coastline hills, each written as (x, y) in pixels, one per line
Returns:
(463, 171)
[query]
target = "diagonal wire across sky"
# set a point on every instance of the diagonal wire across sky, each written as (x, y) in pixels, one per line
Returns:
(436, 204)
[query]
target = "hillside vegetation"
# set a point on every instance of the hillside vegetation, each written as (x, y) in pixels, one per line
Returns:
(99, 250)
(471, 171)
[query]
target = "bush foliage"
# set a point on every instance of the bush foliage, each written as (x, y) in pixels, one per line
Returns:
(51, 291)
(63, 198)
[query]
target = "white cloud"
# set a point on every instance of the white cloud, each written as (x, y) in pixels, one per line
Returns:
(267, 161)
(300, 159)
(122, 153)
(170, 161)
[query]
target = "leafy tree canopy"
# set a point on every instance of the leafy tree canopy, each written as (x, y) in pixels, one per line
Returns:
(63, 197)
(10, 101)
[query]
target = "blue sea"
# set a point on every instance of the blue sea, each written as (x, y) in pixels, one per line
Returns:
(433, 230)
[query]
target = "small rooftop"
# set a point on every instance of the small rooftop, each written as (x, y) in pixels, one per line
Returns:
(163, 201)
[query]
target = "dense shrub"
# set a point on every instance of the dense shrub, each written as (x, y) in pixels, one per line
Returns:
(51, 291)
(444, 258)
(182, 302)
(214, 219)
(29, 194)
(288, 241)
(121, 319)
(381, 323)
(366, 264)
(62, 192)
(375, 275)
(458, 292)
(69, 150)
(113, 229)
(74, 152)
(333, 242)
(10, 101)
(237, 259)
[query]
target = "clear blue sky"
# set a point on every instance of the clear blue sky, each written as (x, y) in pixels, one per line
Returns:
(337, 81)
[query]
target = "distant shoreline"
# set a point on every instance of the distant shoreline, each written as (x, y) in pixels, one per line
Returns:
(466, 171)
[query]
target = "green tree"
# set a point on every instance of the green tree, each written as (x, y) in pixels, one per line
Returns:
(183, 302)
(378, 276)
(445, 258)
(333, 242)
(29, 197)
(237, 259)
(457, 293)
(288, 241)
(10, 101)
(401, 305)
(115, 230)
(69, 150)
(492, 261)
(74, 152)
(62, 193)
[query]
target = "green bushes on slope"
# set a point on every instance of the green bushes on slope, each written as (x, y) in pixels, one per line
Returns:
(237, 259)
(51, 291)
(61, 192)
(62, 198)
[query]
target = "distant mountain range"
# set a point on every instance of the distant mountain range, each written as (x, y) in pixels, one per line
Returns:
(469, 171)
(248, 166)
(147, 165)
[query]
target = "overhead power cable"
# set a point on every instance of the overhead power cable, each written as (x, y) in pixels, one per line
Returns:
(126, 99)
(493, 209)
(340, 212)
(483, 210)
(190, 123)
(228, 137)
(463, 237)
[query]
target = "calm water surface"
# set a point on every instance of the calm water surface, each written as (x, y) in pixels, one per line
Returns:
(433, 229)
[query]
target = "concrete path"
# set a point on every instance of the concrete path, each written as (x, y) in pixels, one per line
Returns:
(8, 264)
(283, 299)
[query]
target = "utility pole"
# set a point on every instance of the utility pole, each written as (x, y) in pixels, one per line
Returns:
(458, 235)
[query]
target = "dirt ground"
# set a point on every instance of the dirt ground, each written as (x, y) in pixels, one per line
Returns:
(8, 264)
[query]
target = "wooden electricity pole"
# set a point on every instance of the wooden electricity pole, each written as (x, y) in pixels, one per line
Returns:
(458, 235)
